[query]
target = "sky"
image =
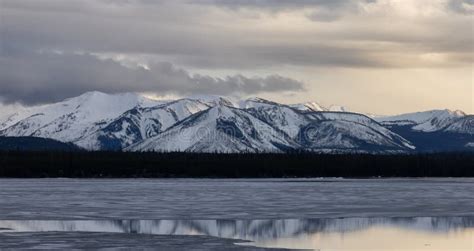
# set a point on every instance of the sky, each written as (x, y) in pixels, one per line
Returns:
(375, 56)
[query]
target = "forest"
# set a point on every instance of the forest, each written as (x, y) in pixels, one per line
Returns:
(82, 164)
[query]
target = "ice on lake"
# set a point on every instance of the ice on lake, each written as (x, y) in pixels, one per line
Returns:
(324, 214)
(41, 199)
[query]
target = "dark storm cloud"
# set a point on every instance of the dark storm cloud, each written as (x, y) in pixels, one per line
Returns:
(47, 77)
(167, 33)
(207, 35)
(188, 34)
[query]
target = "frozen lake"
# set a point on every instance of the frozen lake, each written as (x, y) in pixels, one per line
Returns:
(41, 199)
(325, 214)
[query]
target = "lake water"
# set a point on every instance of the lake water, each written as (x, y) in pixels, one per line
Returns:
(320, 214)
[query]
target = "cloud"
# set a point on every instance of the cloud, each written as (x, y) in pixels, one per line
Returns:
(275, 5)
(299, 38)
(47, 77)
(462, 6)
(200, 36)
(318, 10)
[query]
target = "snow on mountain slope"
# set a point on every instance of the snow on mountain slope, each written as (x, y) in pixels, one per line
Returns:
(345, 135)
(347, 116)
(219, 129)
(428, 121)
(315, 107)
(8, 112)
(463, 125)
(254, 103)
(281, 117)
(73, 118)
(340, 130)
(309, 107)
(140, 123)
(343, 130)
(213, 100)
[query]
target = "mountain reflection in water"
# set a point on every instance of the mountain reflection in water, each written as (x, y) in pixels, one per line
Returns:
(428, 233)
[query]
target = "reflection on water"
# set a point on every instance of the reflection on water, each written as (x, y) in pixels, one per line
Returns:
(437, 233)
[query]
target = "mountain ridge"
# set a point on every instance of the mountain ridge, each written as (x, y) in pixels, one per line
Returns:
(128, 121)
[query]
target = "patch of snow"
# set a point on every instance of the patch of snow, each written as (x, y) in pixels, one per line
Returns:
(309, 107)
(213, 100)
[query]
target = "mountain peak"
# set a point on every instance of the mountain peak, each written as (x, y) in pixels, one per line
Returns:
(309, 107)
(212, 100)
(457, 113)
(255, 102)
(93, 93)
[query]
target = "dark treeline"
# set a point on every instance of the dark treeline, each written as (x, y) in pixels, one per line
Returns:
(167, 165)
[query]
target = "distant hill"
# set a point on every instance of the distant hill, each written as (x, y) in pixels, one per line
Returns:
(34, 144)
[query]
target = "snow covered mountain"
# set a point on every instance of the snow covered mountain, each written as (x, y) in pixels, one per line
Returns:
(99, 121)
(436, 130)
(327, 130)
(219, 129)
(71, 119)
(281, 117)
(428, 121)
(350, 131)
(140, 123)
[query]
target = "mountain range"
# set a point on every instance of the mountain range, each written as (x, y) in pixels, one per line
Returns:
(132, 122)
